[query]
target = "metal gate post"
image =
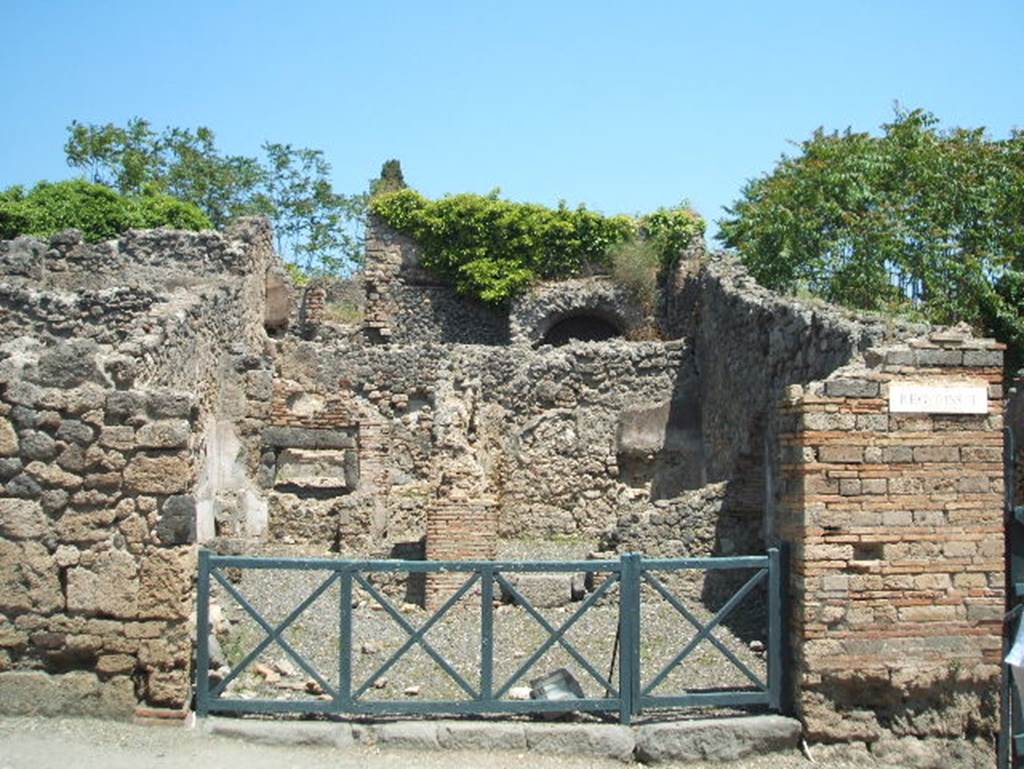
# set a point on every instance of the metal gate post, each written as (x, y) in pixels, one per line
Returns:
(776, 595)
(345, 641)
(1011, 720)
(629, 633)
(203, 635)
(486, 633)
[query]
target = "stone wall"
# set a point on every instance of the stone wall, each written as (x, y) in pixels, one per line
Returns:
(534, 314)
(896, 526)
(406, 304)
(95, 525)
(749, 344)
(545, 427)
(112, 368)
(545, 432)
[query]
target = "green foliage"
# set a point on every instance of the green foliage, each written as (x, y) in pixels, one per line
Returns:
(95, 209)
(493, 249)
(671, 231)
(315, 226)
(915, 219)
(636, 264)
(297, 275)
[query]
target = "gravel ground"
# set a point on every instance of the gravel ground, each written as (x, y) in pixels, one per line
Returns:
(456, 637)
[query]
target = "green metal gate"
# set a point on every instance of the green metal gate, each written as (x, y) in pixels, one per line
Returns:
(760, 580)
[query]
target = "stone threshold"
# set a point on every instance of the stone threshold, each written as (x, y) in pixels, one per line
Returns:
(708, 739)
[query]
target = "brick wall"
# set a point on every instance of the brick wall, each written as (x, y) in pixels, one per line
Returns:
(895, 523)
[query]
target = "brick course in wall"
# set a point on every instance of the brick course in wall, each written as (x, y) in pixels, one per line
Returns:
(895, 523)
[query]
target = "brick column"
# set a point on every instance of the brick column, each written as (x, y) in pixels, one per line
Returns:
(895, 524)
(458, 531)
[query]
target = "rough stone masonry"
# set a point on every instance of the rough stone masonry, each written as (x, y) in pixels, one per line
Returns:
(171, 389)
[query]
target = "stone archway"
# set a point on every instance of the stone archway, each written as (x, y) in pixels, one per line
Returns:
(581, 326)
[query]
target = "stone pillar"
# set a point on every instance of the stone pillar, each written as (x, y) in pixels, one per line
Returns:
(384, 256)
(895, 524)
(313, 309)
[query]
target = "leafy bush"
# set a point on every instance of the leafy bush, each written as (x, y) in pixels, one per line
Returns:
(95, 209)
(493, 249)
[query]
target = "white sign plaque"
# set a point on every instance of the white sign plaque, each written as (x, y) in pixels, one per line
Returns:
(910, 398)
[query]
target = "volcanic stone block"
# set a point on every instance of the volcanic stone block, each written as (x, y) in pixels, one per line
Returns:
(8, 439)
(28, 579)
(164, 434)
(22, 519)
(158, 474)
(177, 525)
(110, 586)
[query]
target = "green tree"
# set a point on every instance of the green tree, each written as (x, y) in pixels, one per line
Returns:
(317, 228)
(391, 179)
(917, 220)
(320, 228)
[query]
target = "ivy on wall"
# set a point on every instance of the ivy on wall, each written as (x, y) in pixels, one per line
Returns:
(493, 249)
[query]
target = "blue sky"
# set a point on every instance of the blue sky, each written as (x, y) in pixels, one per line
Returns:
(625, 107)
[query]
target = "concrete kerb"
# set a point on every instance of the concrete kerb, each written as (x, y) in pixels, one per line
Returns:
(718, 739)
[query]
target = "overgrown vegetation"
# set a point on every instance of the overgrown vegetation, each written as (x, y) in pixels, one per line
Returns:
(636, 265)
(95, 209)
(493, 249)
(916, 220)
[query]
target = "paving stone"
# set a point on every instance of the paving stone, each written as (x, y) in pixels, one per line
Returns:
(287, 733)
(406, 735)
(481, 735)
(607, 740)
(720, 739)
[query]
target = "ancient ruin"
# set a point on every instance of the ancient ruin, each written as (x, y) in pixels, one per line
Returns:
(170, 390)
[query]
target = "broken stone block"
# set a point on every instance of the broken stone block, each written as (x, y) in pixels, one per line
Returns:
(69, 364)
(542, 590)
(170, 405)
(51, 475)
(85, 526)
(37, 445)
(167, 687)
(77, 693)
(279, 299)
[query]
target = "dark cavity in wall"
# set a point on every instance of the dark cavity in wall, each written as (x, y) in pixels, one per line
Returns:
(659, 445)
(582, 327)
